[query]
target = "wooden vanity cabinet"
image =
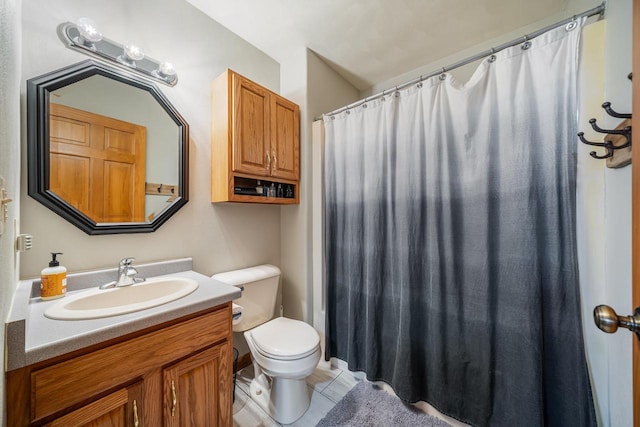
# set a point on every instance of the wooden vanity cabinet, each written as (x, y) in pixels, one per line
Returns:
(175, 374)
(255, 136)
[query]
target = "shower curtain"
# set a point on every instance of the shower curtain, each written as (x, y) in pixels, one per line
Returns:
(451, 266)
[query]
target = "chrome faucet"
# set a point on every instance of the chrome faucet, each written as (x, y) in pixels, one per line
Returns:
(126, 275)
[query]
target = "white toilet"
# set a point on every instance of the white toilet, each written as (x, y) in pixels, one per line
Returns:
(284, 351)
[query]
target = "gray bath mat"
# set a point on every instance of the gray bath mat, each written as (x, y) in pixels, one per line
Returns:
(367, 405)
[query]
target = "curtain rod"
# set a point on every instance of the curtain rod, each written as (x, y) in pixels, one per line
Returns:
(598, 10)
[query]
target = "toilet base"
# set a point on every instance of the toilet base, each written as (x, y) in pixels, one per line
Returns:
(285, 400)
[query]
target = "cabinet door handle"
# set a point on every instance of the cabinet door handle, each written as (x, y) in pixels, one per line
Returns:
(174, 400)
(268, 161)
(136, 421)
(275, 161)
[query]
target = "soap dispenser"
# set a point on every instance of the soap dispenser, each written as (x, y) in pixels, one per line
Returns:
(53, 279)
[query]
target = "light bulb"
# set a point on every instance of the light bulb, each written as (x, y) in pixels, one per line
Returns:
(133, 51)
(88, 30)
(167, 69)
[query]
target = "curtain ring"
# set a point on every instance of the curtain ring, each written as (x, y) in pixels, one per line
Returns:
(527, 44)
(571, 25)
(443, 76)
(492, 58)
(397, 92)
(419, 85)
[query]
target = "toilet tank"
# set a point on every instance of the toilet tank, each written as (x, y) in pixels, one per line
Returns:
(259, 295)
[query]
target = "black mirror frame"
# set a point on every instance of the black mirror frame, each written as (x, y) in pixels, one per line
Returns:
(38, 91)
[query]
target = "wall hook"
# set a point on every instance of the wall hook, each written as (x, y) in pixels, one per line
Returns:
(626, 131)
(615, 139)
(612, 113)
(607, 144)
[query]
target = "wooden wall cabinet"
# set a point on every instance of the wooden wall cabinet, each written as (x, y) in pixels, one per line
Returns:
(176, 374)
(255, 136)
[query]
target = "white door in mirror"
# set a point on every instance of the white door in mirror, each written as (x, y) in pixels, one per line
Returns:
(98, 303)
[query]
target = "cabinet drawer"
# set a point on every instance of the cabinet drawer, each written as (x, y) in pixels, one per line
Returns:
(76, 380)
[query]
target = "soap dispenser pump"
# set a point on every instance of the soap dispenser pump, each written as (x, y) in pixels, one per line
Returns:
(53, 279)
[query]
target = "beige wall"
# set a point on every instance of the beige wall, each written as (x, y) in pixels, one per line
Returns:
(617, 396)
(463, 73)
(218, 237)
(9, 159)
(590, 208)
(317, 88)
(327, 91)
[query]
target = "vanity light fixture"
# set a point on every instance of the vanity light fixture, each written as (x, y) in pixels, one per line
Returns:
(131, 53)
(89, 33)
(85, 37)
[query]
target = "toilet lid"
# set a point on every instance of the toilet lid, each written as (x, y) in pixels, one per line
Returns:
(283, 339)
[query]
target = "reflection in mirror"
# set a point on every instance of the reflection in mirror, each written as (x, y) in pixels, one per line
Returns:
(106, 150)
(130, 140)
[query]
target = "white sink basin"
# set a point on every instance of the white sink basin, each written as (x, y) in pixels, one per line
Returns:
(97, 303)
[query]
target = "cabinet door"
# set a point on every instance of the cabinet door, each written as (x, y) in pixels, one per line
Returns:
(119, 409)
(251, 131)
(198, 390)
(285, 138)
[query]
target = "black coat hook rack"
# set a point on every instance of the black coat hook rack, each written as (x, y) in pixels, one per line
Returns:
(615, 139)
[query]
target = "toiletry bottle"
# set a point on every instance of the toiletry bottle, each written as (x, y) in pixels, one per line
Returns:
(259, 188)
(280, 191)
(272, 190)
(53, 279)
(289, 192)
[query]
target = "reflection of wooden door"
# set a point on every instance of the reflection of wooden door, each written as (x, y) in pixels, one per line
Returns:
(97, 164)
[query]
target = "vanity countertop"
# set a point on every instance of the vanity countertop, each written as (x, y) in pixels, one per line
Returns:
(32, 337)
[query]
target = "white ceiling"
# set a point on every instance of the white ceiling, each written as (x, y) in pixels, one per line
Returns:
(370, 41)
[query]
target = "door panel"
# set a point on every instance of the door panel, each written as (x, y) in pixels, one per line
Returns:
(251, 127)
(119, 197)
(285, 139)
(198, 390)
(70, 180)
(122, 408)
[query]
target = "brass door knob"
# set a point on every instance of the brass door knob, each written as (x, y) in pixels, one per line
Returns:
(608, 320)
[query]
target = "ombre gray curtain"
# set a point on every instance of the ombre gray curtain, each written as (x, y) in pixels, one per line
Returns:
(451, 263)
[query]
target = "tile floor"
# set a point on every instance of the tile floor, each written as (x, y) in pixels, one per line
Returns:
(327, 385)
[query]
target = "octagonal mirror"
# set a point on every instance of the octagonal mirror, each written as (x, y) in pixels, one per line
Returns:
(106, 150)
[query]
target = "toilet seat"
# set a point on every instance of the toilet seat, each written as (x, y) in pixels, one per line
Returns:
(285, 339)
